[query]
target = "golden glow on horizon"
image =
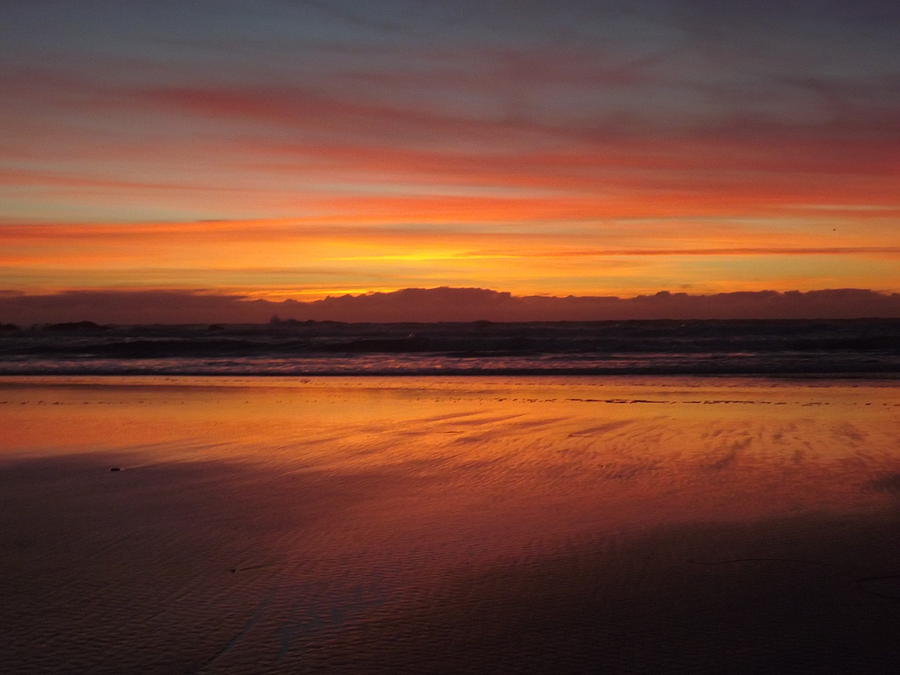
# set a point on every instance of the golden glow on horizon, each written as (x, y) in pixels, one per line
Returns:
(311, 258)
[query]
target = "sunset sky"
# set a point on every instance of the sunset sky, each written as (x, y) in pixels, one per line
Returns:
(298, 149)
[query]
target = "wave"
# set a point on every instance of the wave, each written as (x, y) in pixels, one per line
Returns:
(483, 348)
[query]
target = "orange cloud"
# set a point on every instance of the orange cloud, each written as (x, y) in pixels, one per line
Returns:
(383, 187)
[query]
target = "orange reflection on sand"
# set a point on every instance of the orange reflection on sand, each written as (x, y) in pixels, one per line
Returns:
(503, 453)
(363, 524)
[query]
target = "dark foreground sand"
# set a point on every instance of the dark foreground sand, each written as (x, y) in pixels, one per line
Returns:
(449, 525)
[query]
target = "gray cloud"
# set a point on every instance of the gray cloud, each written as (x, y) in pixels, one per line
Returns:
(439, 304)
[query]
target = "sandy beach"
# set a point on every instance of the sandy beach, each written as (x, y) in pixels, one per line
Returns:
(428, 524)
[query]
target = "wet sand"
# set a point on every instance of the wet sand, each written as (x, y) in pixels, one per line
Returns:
(478, 524)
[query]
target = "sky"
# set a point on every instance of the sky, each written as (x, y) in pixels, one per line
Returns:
(299, 149)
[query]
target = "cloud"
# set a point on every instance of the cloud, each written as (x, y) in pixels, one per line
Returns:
(613, 129)
(439, 304)
(666, 134)
(642, 252)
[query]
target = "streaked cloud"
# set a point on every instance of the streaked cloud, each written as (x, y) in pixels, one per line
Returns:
(587, 147)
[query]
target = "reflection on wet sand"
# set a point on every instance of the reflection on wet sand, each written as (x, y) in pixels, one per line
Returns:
(450, 525)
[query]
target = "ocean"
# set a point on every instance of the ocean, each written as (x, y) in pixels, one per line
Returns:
(869, 347)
